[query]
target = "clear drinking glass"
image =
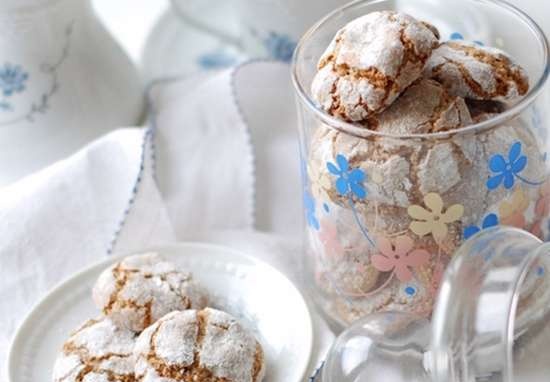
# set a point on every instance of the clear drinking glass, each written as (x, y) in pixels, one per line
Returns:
(385, 213)
(490, 323)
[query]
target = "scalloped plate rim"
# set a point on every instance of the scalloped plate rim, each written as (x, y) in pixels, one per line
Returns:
(60, 288)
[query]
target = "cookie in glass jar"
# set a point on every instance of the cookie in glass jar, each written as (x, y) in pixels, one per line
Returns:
(370, 62)
(477, 72)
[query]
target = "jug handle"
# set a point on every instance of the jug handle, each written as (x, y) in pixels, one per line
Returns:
(183, 9)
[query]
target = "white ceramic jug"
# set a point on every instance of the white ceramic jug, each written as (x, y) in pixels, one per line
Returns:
(63, 82)
(267, 28)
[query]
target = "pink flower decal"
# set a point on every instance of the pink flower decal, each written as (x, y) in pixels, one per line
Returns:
(512, 211)
(399, 257)
(328, 235)
(542, 209)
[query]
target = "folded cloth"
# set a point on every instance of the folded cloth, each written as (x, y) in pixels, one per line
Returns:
(223, 160)
(69, 215)
(231, 139)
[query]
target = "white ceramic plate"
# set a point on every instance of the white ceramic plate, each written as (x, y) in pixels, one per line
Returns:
(261, 297)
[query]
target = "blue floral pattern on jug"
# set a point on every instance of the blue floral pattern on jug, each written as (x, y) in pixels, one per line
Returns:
(216, 60)
(12, 80)
(279, 46)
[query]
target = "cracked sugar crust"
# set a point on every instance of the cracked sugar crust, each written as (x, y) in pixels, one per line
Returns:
(399, 173)
(425, 107)
(140, 289)
(476, 72)
(370, 62)
(98, 351)
(198, 346)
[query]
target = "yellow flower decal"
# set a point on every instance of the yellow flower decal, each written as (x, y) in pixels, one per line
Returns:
(435, 218)
(512, 211)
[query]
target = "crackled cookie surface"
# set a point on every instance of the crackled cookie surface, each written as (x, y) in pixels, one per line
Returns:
(476, 72)
(425, 107)
(98, 351)
(198, 346)
(370, 62)
(141, 289)
(417, 200)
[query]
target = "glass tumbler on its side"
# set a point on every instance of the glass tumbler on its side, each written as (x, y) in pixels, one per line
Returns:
(490, 322)
(385, 213)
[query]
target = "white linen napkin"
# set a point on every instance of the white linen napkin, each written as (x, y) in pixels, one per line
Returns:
(67, 216)
(246, 116)
(215, 171)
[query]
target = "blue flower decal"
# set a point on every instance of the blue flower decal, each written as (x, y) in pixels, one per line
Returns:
(490, 220)
(458, 36)
(280, 47)
(309, 205)
(12, 79)
(348, 179)
(410, 290)
(216, 60)
(506, 170)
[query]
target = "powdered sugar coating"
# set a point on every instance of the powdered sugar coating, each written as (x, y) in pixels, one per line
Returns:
(205, 346)
(483, 73)
(370, 62)
(99, 351)
(141, 289)
(399, 173)
(425, 107)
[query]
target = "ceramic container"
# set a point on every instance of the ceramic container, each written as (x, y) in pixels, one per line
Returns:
(385, 213)
(63, 82)
(266, 28)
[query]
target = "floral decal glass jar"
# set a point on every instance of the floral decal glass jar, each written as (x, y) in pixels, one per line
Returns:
(385, 213)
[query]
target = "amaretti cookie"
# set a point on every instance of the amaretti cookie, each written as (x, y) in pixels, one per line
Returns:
(425, 107)
(380, 195)
(370, 62)
(198, 346)
(139, 290)
(99, 351)
(477, 72)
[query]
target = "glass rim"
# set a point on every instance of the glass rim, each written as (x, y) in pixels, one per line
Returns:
(362, 132)
(512, 320)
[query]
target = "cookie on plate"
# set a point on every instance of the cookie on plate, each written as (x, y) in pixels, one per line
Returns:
(198, 346)
(370, 62)
(98, 351)
(482, 73)
(140, 289)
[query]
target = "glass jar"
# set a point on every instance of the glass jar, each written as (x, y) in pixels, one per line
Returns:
(385, 213)
(490, 322)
